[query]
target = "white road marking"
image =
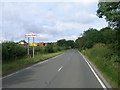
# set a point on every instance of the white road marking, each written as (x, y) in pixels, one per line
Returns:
(100, 81)
(60, 68)
(31, 66)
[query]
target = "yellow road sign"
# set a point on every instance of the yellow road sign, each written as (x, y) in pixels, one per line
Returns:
(33, 44)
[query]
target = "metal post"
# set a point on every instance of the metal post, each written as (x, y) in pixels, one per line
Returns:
(33, 47)
(28, 47)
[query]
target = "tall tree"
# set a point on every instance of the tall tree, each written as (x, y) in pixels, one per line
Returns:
(111, 12)
(108, 35)
(89, 38)
(61, 42)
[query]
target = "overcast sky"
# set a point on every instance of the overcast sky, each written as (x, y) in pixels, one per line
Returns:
(51, 21)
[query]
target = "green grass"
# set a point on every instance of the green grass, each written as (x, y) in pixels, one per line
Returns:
(104, 59)
(9, 67)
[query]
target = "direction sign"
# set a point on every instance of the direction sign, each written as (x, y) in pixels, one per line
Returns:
(33, 44)
(31, 35)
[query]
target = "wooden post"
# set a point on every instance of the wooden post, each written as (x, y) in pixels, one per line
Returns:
(33, 47)
(28, 47)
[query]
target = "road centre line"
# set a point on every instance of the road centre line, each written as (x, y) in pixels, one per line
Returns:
(31, 66)
(60, 68)
(100, 81)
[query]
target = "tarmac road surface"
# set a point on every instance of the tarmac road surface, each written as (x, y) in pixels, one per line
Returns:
(68, 70)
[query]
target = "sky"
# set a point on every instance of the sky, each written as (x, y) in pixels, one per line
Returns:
(51, 21)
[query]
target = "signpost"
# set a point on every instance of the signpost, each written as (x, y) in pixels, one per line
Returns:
(33, 44)
(33, 48)
(31, 35)
(28, 47)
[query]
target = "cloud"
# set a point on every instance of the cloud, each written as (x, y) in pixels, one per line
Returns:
(85, 1)
(72, 37)
(44, 37)
(51, 20)
(81, 17)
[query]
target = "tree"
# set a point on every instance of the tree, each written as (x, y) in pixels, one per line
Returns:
(108, 35)
(61, 42)
(111, 12)
(90, 37)
(80, 42)
(66, 43)
(70, 44)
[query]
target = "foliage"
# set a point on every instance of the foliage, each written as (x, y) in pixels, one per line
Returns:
(61, 42)
(111, 12)
(102, 46)
(49, 48)
(93, 36)
(67, 44)
(70, 44)
(108, 35)
(105, 60)
(12, 51)
(40, 49)
(0, 53)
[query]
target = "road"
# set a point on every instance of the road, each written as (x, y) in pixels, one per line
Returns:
(69, 70)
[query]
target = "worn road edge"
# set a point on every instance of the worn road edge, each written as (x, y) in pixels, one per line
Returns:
(98, 72)
(30, 66)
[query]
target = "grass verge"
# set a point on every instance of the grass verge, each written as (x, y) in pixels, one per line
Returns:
(104, 59)
(9, 67)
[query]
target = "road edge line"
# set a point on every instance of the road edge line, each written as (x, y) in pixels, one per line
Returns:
(41, 62)
(96, 75)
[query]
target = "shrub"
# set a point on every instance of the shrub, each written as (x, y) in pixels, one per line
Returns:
(49, 48)
(106, 60)
(12, 51)
(40, 49)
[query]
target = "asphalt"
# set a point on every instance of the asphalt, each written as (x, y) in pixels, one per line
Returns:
(69, 70)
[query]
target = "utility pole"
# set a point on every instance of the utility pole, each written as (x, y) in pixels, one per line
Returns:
(33, 47)
(28, 47)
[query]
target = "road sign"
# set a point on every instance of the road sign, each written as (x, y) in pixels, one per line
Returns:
(31, 35)
(33, 44)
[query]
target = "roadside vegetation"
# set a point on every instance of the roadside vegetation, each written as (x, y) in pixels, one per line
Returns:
(106, 61)
(14, 56)
(102, 46)
(12, 51)
(11, 66)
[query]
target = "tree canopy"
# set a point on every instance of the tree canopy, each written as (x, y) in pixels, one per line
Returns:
(111, 12)
(66, 43)
(93, 36)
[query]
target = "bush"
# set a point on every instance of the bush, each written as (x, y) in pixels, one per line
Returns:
(100, 51)
(49, 48)
(106, 60)
(56, 48)
(40, 49)
(12, 51)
